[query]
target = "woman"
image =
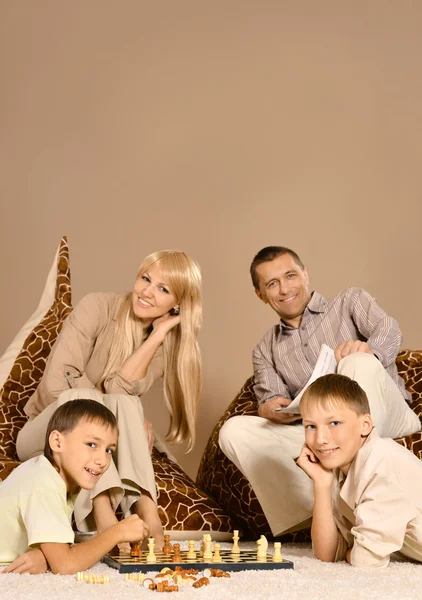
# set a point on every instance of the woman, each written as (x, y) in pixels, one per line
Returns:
(118, 345)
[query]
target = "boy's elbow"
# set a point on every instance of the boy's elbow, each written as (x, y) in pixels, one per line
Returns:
(325, 558)
(62, 569)
(325, 555)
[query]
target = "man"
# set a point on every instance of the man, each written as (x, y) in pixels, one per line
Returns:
(366, 342)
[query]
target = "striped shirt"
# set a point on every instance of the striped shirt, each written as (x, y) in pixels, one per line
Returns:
(285, 357)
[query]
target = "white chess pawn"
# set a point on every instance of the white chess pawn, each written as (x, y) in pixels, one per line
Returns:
(216, 556)
(277, 552)
(191, 552)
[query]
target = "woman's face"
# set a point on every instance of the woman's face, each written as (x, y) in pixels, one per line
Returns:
(151, 296)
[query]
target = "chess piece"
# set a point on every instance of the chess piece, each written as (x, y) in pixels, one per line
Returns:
(262, 547)
(235, 547)
(277, 552)
(151, 558)
(167, 548)
(216, 556)
(207, 547)
(135, 550)
(202, 546)
(215, 573)
(191, 552)
(176, 556)
(200, 582)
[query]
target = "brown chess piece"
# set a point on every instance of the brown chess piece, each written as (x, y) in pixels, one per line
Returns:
(135, 550)
(176, 556)
(167, 549)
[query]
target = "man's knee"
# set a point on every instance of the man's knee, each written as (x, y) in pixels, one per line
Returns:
(359, 362)
(232, 430)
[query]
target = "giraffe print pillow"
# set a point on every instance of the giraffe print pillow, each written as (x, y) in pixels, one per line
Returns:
(23, 363)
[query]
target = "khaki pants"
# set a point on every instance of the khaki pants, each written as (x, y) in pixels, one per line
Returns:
(130, 471)
(265, 451)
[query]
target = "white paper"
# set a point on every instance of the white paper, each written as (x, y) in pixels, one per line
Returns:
(325, 364)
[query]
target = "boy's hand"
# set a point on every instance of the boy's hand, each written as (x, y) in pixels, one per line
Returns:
(132, 529)
(32, 562)
(313, 468)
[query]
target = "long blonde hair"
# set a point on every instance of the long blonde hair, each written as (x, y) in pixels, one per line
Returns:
(182, 359)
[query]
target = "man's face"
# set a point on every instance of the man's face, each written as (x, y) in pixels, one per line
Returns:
(285, 287)
(335, 433)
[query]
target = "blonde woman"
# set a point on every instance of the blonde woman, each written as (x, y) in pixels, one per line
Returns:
(112, 348)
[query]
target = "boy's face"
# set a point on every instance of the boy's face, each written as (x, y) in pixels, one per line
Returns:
(84, 454)
(335, 433)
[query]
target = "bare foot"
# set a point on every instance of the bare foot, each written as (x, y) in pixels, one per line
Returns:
(146, 509)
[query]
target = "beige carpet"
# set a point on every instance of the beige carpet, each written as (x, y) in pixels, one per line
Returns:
(311, 580)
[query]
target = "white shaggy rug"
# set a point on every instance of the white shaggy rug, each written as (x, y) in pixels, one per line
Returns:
(310, 580)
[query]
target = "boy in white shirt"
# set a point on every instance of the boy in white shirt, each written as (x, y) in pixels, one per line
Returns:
(367, 489)
(36, 500)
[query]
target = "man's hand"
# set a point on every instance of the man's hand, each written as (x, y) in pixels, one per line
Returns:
(313, 468)
(32, 562)
(149, 433)
(266, 411)
(350, 347)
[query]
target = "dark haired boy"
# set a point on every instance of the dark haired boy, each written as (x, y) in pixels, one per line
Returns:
(367, 490)
(36, 500)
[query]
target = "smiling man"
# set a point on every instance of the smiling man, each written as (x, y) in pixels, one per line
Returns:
(366, 342)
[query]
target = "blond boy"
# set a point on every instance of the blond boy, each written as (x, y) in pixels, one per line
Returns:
(367, 490)
(36, 500)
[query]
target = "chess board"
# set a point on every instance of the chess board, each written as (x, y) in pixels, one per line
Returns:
(244, 561)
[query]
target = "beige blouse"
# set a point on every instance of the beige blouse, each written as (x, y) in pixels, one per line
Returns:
(378, 506)
(80, 354)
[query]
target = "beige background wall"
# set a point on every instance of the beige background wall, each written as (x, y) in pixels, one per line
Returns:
(217, 128)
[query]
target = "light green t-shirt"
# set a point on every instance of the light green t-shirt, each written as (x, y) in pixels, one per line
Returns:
(34, 509)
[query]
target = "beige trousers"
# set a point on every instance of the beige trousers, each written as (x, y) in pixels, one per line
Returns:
(265, 451)
(130, 471)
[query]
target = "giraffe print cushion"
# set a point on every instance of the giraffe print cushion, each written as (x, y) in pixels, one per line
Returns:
(225, 483)
(182, 505)
(30, 362)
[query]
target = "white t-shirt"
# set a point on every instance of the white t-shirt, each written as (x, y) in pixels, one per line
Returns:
(34, 509)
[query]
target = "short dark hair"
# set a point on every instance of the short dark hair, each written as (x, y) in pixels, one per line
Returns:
(336, 388)
(70, 414)
(268, 254)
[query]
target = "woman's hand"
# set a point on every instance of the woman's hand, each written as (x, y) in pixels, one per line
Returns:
(163, 324)
(32, 562)
(150, 434)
